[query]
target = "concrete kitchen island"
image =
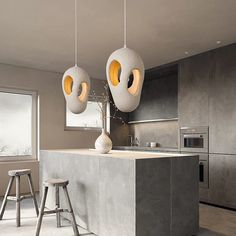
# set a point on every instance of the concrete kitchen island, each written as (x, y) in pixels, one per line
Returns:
(128, 193)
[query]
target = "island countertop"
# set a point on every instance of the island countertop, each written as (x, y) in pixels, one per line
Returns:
(126, 154)
(127, 193)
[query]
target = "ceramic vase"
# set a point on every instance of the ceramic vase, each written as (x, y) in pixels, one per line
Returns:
(103, 143)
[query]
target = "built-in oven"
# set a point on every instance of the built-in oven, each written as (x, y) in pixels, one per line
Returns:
(194, 140)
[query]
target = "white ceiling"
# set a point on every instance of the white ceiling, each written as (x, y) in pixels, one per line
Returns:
(40, 33)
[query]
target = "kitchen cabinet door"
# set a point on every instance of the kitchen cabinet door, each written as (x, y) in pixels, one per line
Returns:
(222, 102)
(194, 74)
(222, 180)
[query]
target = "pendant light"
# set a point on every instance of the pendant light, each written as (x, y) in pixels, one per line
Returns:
(125, 75)
(76, 81)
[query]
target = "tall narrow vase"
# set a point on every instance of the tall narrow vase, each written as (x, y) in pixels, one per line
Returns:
(103, 143)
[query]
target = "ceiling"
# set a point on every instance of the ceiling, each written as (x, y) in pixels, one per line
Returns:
(40, 33)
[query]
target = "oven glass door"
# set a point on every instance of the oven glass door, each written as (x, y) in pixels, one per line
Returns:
(193, 141)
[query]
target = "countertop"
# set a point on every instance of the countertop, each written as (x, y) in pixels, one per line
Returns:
(124, 154)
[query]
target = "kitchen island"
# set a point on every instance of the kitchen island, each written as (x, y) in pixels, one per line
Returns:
(128, 193)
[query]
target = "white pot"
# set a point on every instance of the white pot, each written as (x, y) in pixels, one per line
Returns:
(103, 143)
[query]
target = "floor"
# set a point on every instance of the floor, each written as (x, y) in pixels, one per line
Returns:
(213, 221)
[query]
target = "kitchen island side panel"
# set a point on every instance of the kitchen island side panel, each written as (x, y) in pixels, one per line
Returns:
(185, 196)
(153, 215)
(117, 197)
(83, 175)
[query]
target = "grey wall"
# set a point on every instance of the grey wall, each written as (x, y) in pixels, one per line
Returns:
(159, 100)
(52, 114)
(165, 133)
(52, 106)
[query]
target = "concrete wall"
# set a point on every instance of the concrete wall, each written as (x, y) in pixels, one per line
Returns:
(51, 111)
(165, 133)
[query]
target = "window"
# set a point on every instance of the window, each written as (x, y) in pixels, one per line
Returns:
(89, 119)
(18, 122)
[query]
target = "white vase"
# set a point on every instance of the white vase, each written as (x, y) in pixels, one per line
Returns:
(103, 143)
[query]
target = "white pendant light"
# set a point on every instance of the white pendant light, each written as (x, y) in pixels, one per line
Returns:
(76, 81)
(122, 64)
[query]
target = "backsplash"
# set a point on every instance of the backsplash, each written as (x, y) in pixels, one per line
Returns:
(164, 133)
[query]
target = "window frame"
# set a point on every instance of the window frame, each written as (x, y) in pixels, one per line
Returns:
(96, 129)
(34, 125)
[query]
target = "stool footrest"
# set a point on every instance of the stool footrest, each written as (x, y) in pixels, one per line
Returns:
(55, 211)
(14, 198)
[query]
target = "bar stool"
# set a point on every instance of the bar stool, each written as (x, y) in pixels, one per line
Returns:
(18, 198)
(56, 183)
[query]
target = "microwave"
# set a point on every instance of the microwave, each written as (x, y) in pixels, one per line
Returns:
(194, 139)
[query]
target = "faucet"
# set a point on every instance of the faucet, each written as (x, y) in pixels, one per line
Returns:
(136, 142)
(131, 139)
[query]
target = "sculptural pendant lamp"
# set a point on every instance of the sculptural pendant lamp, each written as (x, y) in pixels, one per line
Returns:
(76, 81)
(125, 75)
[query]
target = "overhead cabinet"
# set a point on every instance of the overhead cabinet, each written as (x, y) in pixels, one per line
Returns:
(159, 99)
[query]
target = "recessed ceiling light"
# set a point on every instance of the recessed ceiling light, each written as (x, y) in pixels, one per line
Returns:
(218, 42)
(186, 52)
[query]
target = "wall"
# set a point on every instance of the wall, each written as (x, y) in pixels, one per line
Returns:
(52, 114)
(165, 133)
(159, 100)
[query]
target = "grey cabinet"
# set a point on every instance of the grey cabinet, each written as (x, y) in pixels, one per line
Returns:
(159, 98)
(194, 76)
(222, 102)
(222, 184)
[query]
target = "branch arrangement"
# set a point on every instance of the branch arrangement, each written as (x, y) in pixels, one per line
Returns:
(105, 99)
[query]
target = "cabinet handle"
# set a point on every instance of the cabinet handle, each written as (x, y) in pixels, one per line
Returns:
(201, 172)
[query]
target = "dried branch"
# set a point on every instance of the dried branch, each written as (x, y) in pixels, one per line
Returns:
(105, 99)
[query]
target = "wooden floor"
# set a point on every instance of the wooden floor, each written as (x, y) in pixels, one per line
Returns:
(213, 221)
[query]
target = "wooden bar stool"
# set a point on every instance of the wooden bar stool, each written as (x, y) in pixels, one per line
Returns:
(56, 183)
(18, 198)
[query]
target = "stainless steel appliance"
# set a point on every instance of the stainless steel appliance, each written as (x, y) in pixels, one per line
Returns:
(195, 140)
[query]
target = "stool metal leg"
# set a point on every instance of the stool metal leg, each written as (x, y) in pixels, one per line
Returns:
(33, 193)
(18, 201)
(41, 212)
(4, 203)
(73, 221)
(58, 206)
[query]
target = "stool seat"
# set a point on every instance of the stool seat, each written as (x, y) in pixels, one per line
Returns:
(55, 182)
(19, 172)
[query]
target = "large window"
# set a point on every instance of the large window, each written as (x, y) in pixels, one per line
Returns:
(90, 119)
(17, 124)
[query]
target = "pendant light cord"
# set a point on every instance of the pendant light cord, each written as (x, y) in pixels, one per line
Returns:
(125, 23)
(76, 34)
